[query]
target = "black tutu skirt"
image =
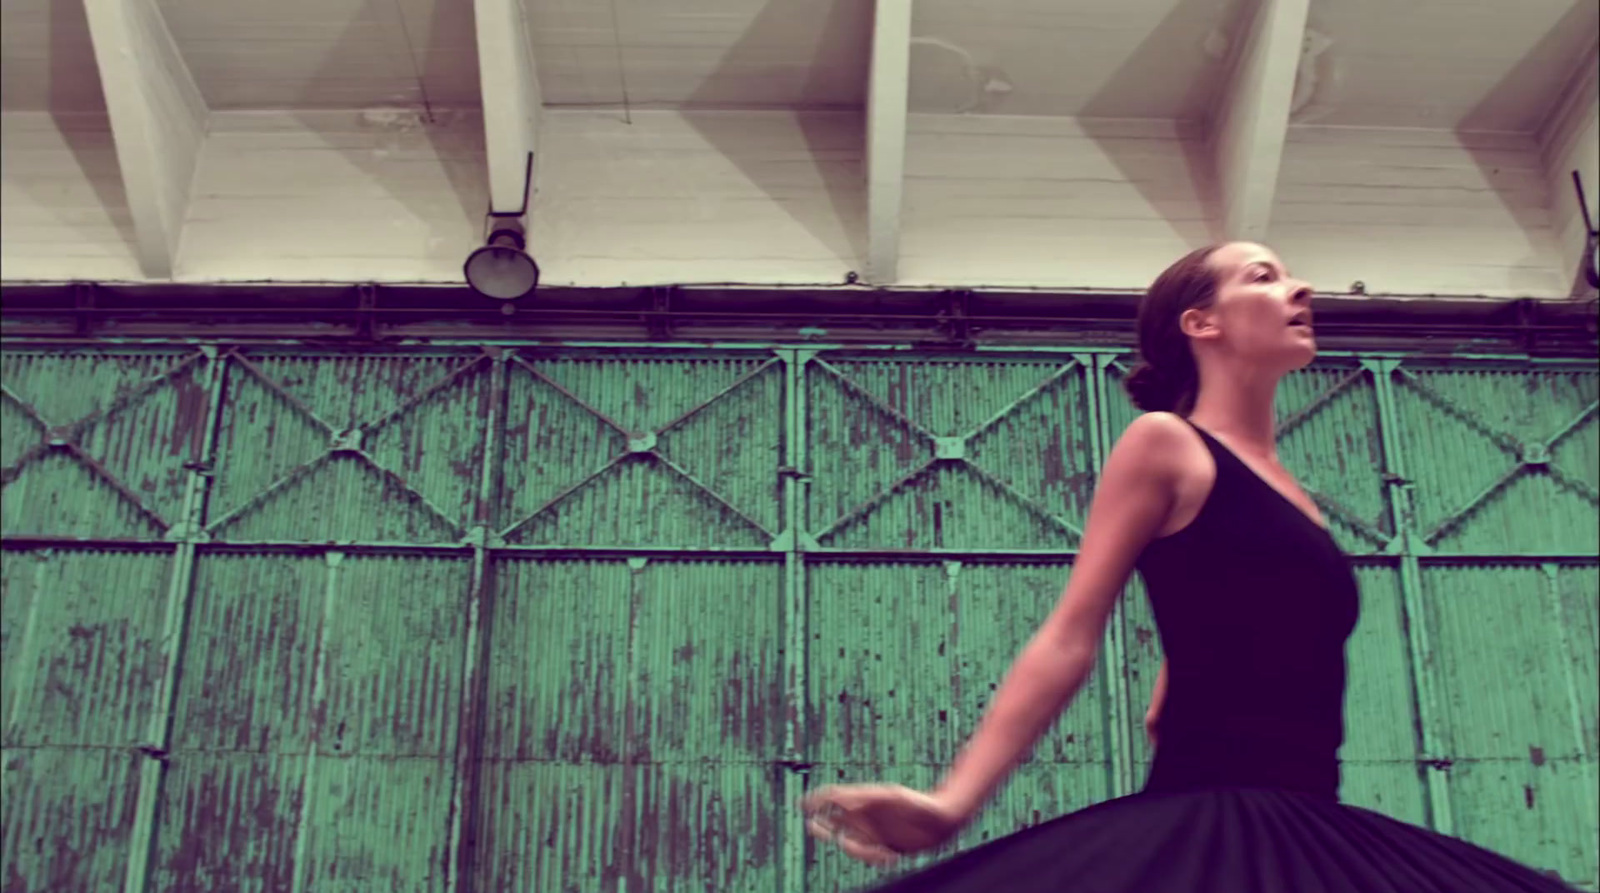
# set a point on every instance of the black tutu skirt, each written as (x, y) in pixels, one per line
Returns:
(1225, 840)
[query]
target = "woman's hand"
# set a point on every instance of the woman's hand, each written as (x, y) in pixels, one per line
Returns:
(877, 823)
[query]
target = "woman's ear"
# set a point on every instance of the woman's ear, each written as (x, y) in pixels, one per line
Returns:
(1197, 322)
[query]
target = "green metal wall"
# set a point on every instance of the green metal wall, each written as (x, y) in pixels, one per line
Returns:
(592, 618)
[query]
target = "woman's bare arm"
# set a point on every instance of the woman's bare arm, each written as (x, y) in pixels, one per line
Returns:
(1131, 504)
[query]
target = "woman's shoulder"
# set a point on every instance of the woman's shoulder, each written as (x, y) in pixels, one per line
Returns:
(1165, 445)
(1158, 432)
(1156, 444)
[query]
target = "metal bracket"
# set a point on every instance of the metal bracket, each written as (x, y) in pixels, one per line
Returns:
(1527, 318)
(1535, 455)
(483, 537)
(83, 306)
(366, 311)
(642, 443)
(186, 531)
(348, 441)
(955, 318)
(792, 541)
(950, 448)
(659, 321)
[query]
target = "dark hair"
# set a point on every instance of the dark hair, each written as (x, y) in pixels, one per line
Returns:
(1166, 379)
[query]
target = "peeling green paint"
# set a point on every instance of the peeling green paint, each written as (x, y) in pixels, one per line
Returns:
(558, 618)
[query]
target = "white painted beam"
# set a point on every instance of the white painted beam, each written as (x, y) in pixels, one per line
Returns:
(1571, 142)
(886, 137)
(1253, 116)
(511, 101)
(158, 122)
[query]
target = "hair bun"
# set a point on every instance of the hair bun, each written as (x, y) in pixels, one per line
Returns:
(1151, 389)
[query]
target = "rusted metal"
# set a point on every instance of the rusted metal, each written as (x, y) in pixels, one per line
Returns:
(514, 715)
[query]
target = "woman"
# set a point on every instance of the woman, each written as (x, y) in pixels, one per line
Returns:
(1253, 602)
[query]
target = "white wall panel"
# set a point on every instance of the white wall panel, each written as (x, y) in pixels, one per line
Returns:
(1413, 212)
(340, 196)
(63, 213)
(1050, 202)
(702, 197)
(46, 59)
(779, 198)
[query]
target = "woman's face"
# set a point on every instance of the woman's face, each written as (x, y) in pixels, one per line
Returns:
(1260, 314)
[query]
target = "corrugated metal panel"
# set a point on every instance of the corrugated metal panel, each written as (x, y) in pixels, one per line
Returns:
(734, 444)
(564, 828)
(1380, 700)
(97, 442)
(254, 822)
(1014, 435)
(676, 452)
(577, 642)
(317, 707)
(227, 822)
(882, 661)
(389, 632)
(82, 645)
(68, 816)
(905, 656)
(641, 501)
(1520, 782)
(1505, 689)
(550, 827)
(395, 647)
(557, 679)
(611, 763)
(949, 507)
(708, 827)
(363, 448)
(696, 621)
(1579, 591)
(376, 823)
(1381, 750)
(1328, 437)
(247, 667)
(1466, 432)
(998, 607)
(55, 495)
(357, 659)
(1540, 814)
(19, 429)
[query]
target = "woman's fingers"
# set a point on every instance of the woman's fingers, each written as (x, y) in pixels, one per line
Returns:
(851, 837)
(874, 853)
(846, 797)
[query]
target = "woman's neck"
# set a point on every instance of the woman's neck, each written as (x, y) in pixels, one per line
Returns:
(1242, 410)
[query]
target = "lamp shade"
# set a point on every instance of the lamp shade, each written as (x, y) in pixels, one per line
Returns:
(501, 269)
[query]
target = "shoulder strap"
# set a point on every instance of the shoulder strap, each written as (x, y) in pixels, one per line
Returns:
(1220, 454)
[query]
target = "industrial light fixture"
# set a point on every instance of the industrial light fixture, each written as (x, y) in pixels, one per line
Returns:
(502, 268)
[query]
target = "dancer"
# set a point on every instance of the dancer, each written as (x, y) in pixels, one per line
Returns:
(1253, 601)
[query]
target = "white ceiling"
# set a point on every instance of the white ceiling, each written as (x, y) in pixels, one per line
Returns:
(1494, 65)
